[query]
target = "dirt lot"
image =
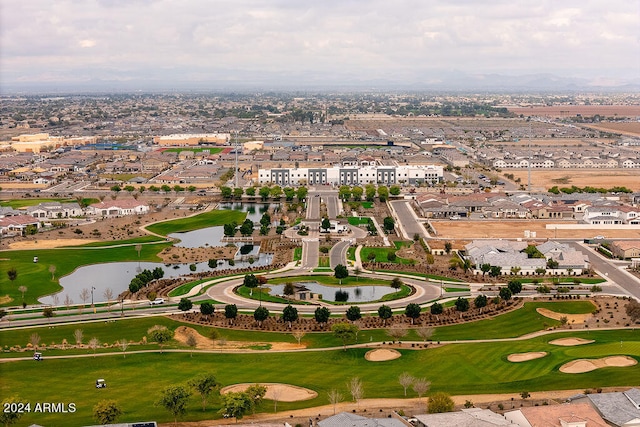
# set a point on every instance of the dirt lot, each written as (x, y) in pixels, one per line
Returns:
(625, 128)
(574, 110)
(515, 228)
(542, 180)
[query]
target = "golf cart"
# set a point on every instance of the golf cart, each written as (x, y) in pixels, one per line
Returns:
(37, 356)
(100, 383)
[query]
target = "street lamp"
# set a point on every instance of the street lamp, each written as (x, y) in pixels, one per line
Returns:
(92, 305)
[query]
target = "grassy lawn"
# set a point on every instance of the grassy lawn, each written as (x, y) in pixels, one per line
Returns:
(331, 281)
(359, 220)
(263, 295)
(185, 288)
(37, 278)
(23, 203)
(429, 276)
(367, 205)
(297, 254)
(455, 369)
(142, 239)
(324, 261)
(203, 220)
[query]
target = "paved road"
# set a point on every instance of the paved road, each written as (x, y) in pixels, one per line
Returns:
(333, 204)
(407, 220)
(338, 254)
(310, 253)
(609, 269)
(313, 206)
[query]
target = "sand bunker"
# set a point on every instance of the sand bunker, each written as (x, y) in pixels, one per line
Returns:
(523, 357)
(567, 342)
(50, 244)
(204, 343)
(571, 318)
(586, 365)
(382, 354)
(279, 392)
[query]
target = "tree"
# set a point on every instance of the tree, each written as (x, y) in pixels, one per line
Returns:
(356, 193)
(94, 343)
(246, 229)
(341, 272)
(185, 304)
(275, 192)
(12, 274)
(265, 219)
(425, 332)
(396, 283)
(412, 311)
(9, 417)
(237, 193)
(394, 190)
(23, 290)
(322, 315)
(52, 270)
(261, 314)
(326, 224)
(345, 332)
(405, 380)
(34, 340)
(106, 411)
(48, 313)
(250, 281)
(421, 386)
(207, 309)
(256, 393)
(440, 402)
(301, 193)
(204, 385)
(524, 395)
(356, 389)
(298, 335)
(495, 271)
(633, 310)
(505, 294)
(124, 344)
(77, 335)
(462, 304)
(436, 308)
(175, 399)
(289, 193)
(357, 272)
(480, 301)
(384, 312)
(235, 404)
(485, 268)
(388, 223)
(264, 193)
(84, 295)
(290, 314)
(160, 334)
(230, 229)
(397, 332)
(383, 193)
(370, 192)
(335, 397)
(514, 286)
(289, 289)
(230, 312)
(353, 313)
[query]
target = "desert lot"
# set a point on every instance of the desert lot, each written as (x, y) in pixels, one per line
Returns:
(542, 180)
(511, 229)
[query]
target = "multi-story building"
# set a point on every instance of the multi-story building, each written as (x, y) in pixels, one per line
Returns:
(352, 175)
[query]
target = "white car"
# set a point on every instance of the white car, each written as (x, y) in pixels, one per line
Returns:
(157, 301)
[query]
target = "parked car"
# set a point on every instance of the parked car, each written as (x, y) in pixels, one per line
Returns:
(157, 301)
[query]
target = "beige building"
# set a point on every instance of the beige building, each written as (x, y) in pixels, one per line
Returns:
(192, 139)
(37, 142)
(625, 249)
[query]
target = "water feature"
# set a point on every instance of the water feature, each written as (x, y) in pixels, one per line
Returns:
(117, 276)
(356, 294)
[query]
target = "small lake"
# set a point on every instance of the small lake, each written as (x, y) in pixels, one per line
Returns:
(117, 276)
(356, 294)
(212, 236)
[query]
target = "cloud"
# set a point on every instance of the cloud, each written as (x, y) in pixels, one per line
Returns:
(332, 39)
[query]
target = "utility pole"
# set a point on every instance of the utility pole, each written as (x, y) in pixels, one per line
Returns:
(530, 159)
(236, 171)
(93, 305)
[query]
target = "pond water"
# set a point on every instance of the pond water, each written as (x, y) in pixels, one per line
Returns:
(117, 276)
(357, 294)
(212, 236)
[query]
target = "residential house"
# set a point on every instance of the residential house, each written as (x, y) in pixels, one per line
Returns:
(570, 261)
(566, 415)
(475, 417)
(55, 210)
(625, 249)
(118, 208)
(17, 224)
(346, 419)
(506, 254)
(620, 409)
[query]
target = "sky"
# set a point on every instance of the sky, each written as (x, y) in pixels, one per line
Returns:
(299, 43)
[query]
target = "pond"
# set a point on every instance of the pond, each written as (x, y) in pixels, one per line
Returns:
(212, 236)
(355, 294)
(117, 276)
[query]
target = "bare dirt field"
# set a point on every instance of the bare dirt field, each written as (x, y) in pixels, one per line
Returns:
(524, 357)
(279, 392)
(542, 180)
(586, 365)
(623, 128)
(571, 318)
(381, 355)
(574, 110)
(203, 343)
(511, 229)
(570, 342)
(49, 244)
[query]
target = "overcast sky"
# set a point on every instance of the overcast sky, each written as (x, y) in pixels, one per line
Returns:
(294, 42)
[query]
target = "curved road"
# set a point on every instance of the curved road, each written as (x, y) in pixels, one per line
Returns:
(338, 254)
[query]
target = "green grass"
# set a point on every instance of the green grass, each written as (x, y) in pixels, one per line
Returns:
(430, 276)
(37, 278)
(297, 254)
(455, 369)
(351, 253)
(23, 203)
(141, 239)
(185, 288)
(367, 205)
(359, 220)
(263, 295)
(203, 220)
(324, 261)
